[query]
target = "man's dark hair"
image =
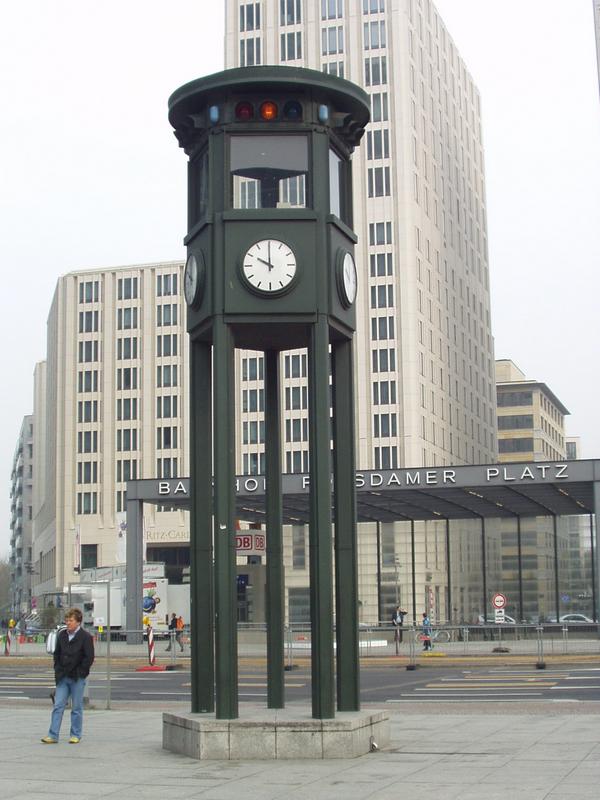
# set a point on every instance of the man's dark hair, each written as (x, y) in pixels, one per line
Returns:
(75, 613)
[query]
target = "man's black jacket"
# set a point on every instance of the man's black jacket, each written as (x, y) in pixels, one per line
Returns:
(73, 659)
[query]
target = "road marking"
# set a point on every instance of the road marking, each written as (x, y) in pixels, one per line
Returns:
(10, 691)
(575, 688)
(463, 698)
(528, 685)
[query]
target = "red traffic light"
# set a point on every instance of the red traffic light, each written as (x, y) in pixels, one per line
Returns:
(244, 111)
(268, 110)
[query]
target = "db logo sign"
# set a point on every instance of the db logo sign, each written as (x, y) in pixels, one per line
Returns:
(249, 541)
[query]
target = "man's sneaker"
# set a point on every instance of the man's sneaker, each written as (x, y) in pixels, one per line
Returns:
(49, 740)
(74, 740)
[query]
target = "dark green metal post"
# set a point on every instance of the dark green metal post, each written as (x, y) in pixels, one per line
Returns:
(275, 606)
(203, 671)
(321, 590)
(224, 524)
(346, 571)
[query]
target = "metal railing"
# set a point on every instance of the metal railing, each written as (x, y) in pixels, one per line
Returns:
(538, 641)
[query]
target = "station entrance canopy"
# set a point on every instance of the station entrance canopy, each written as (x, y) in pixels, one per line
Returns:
(518, 490)
(495, 490)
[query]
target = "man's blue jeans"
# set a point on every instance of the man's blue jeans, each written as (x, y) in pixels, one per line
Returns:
(65, 688)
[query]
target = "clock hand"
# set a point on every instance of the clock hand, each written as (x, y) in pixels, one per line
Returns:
(268, 263)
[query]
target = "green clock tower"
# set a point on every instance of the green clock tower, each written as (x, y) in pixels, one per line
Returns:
(271, 267)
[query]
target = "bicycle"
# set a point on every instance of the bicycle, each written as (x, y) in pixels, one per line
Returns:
(439, 635)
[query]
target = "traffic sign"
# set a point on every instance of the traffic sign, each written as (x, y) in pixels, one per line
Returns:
(499, 600)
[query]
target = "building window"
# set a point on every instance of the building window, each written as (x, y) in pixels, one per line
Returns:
(296, 397)
(127, 408)
(249, 17)
(332, 40)
(166, 285)
(87, 503)
(166, 406)
(381, 265)
(380, 233)
(382, 296)
(378, 179)
(88, 351)
(375, 70)
(87, 472)
(384, 425)
(515, 399)
(332, 9)
(374, 35)
(166, 315)
(166, 467)
(378, 144)
(296, 461)
(250, 52)
(295, 366)
(89, 292)
(87, 381)
(290, 12)
(166, 438)
(127, 378)
(379, 107)
(291, 46)
(88, 321)
(384, 392)
(89, 556)
(386, 457)
(373, 6)
(166, 375)
(515, 421)
(166, 345)
(126, 439)
(384, 360)
(127, 348)
(253, 400)
(298, 547)
(127, 318)
(127, 288)
(515, 445)
(334, 68)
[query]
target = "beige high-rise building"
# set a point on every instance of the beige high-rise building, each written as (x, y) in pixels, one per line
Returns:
(423, 349)
(110, 405)
(21, 478)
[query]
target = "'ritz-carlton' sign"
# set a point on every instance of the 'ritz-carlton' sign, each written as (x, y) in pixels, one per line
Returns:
(404, 478)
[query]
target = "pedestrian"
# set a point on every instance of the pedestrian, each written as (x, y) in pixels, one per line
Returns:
(426, 631)
(73, 658)
(176, 625)
(398, 621)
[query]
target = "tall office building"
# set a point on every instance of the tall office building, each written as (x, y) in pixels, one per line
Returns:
(531, 419)
(424, 349)
(20, 559)
(110, 404)
(531, 427)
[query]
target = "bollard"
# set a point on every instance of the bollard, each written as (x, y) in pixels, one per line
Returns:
(151, 655)
(465, 635)
(412, 659)
(541, 664)
(565, 636)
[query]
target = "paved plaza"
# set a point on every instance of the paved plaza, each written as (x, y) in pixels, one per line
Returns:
(467, 752)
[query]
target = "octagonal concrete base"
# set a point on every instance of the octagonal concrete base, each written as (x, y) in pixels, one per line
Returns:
(275, 734)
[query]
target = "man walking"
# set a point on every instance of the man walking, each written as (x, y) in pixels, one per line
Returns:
(73, 658)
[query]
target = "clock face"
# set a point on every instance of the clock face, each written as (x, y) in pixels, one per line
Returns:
(269, 266)
(193, 279)
(348, 280)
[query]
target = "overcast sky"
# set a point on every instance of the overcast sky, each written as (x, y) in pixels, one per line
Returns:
(91, 175)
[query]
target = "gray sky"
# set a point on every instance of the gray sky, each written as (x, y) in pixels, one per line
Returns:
(91, 175)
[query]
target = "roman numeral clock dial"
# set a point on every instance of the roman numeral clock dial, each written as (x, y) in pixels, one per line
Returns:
(269, 267)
